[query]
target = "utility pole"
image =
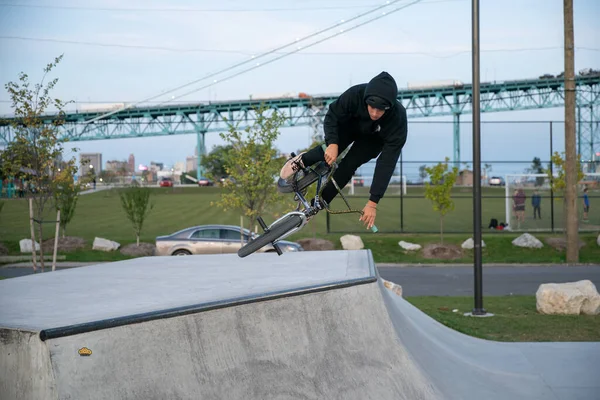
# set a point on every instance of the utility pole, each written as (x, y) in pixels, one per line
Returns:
(571, 156)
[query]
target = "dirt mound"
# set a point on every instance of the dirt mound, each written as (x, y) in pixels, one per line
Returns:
(442, 251)
(560, 243)
(65, 244)
(310, 244)
(144, 249)
(3, 250)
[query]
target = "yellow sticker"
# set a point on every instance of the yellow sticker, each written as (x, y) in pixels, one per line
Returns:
(84, 351)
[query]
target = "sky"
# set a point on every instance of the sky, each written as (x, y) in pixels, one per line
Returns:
(130, 50)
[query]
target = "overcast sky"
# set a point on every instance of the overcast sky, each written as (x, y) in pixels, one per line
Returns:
(154, 45)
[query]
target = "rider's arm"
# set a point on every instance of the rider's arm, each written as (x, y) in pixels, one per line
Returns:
(340, 110)
(387, 160)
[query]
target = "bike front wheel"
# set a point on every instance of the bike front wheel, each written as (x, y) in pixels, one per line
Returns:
(275, 232)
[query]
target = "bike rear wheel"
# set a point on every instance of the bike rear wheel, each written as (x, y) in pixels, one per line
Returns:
(276, 231)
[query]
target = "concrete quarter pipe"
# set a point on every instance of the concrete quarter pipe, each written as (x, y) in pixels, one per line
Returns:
(309, 325)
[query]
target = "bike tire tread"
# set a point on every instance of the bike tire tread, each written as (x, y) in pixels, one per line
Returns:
(274, 233)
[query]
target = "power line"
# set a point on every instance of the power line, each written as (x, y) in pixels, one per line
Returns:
(203, 10)
(330, 53)
(342, 22)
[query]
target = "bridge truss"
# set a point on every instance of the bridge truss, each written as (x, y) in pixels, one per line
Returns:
(200, 118)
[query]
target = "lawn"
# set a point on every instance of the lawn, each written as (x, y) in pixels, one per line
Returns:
(100, 214)
(515, 320)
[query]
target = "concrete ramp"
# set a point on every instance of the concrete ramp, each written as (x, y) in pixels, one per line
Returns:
(309, 325)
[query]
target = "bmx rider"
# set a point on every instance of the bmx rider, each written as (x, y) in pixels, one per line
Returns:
(369, 117)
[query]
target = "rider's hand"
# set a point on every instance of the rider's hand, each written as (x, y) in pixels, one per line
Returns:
(331, 153)
(369, 214)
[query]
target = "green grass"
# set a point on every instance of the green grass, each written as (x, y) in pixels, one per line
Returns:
(100, 214)
(515, 320)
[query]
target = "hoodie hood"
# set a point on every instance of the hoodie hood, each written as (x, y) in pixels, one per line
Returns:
(384, 87)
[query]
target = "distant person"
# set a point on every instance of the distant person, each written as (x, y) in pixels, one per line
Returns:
(369, 117)
(94, 183)
(519, 199)
(586, 205)
(536, 202)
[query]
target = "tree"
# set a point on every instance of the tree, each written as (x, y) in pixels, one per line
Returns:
(253, 164)
(66, 193)
(36, 149)
(135, 201)
(214, 163)
(423, 172)
(487, 168)
(559, 169)
(558, 181)
(536, 168)
(439, 190)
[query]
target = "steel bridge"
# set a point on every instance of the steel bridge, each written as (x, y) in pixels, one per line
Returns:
(200, 118)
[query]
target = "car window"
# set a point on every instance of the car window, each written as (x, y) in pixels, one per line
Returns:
(230, 234)
(205, 234)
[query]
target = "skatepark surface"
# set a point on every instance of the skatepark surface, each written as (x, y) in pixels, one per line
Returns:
(307, 325)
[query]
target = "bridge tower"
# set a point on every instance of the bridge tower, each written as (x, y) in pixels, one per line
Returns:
(200, 129)
(588, 135)
(317, 114)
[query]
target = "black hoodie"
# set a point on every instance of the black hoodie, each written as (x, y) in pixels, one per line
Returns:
(348, 115)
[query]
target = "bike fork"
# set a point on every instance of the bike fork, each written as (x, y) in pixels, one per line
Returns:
(266, 229)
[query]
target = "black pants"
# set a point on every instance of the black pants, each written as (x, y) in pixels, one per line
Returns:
(536, 209)
(363, 150)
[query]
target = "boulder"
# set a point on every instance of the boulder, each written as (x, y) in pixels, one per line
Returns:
(527, 240)
(27, 246)
(470, 244)
(105, 244)
(409, 246)
(314, 244)
(352, 242)
(572, 298)
(598, 240)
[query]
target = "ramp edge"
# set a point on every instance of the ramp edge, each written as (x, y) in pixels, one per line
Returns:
(76, 329)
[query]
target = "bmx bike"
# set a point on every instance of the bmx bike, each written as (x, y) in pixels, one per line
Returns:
(293, 221)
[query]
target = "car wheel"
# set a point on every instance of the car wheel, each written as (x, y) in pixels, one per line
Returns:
(181, 253)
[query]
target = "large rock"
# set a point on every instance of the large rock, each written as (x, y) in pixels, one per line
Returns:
(314, 244)
(65, 244)
(470, 244)
(352, 242)
(409, 246)
(26, 246)
(105, 244)
(598, 240)
(568, 298)
(527, 240)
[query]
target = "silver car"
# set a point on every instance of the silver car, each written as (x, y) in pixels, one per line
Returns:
(212, 239)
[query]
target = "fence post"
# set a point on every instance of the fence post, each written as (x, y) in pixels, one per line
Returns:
(551, 183)
(401, 194)
(328, 226)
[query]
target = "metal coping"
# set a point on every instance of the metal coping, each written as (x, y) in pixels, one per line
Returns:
(70, 330)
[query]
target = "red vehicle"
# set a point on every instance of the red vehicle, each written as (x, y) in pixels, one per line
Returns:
(166, 182)
(205, 182)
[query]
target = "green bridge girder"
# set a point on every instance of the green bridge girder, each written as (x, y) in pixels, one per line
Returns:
(200, 118)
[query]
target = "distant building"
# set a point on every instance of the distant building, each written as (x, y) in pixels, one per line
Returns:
(117, 166)
(191, 163)
(156, 166)
(131, 163)
(90, 162)
(465, 178)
